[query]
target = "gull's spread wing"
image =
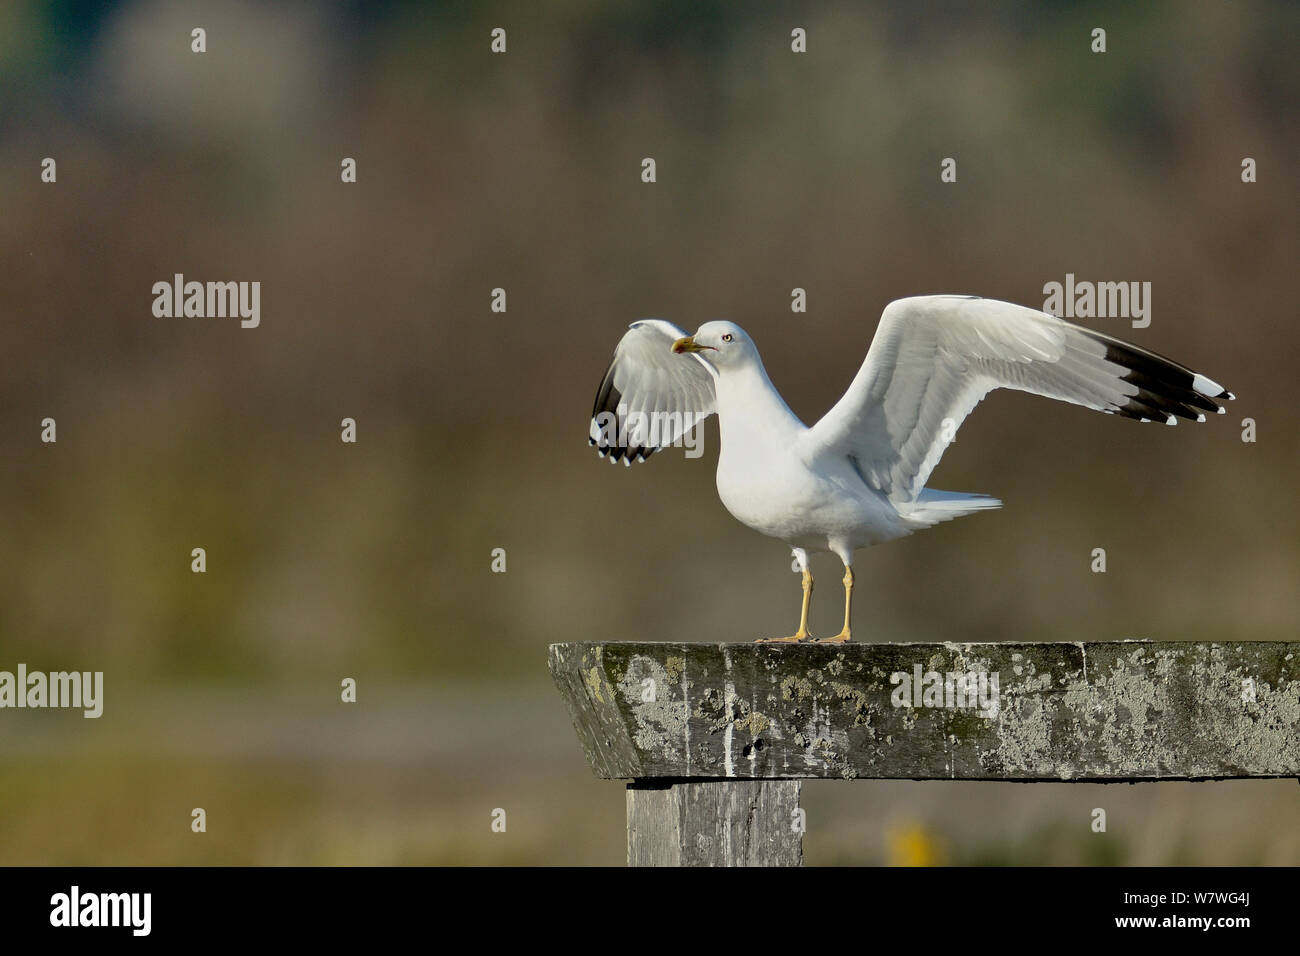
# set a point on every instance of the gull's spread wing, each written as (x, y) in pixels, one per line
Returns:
(650, 396)
(935, 357)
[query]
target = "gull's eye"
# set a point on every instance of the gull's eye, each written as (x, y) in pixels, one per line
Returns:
(727, 337)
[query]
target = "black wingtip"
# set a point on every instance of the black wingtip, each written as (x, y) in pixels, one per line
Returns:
(627, 454)
(1167, 390)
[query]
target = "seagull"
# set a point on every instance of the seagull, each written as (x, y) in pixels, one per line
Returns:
(857, 477)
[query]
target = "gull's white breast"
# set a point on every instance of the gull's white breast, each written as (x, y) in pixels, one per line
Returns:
(766, 480)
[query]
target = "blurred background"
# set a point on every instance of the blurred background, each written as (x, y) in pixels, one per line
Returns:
(521, 171)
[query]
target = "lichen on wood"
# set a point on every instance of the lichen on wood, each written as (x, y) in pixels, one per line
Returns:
(1119, 710)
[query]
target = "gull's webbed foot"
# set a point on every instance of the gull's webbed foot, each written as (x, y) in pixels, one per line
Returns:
(798, 638)
(843, 637)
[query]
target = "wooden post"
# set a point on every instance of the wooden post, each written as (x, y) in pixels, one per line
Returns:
(714, 823)
(715, 737)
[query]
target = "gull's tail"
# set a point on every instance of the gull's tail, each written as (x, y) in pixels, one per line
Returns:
(932, 506)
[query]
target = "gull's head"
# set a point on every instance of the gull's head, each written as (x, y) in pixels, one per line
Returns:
(721, 344)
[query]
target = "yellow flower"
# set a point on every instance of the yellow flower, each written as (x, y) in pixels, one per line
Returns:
(911, 844)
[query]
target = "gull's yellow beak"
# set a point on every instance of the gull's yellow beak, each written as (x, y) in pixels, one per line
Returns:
(688, 345)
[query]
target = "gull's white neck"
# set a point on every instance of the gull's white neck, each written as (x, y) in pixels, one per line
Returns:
(751, 413)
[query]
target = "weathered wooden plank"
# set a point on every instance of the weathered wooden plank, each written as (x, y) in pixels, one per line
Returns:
(1123, 710)
(714, 823)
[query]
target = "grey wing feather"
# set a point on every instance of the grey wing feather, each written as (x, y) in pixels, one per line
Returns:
(650, 397)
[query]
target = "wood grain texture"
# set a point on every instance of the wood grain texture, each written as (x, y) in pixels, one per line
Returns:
(714, 823)
(1123, 710)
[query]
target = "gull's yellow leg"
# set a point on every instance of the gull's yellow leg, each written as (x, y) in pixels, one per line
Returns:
(801, 634)
(845, 635)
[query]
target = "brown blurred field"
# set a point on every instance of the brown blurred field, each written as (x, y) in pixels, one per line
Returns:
(521, 171)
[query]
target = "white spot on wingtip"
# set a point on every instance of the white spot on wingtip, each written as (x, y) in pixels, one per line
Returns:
(1206, 386)
(1171, 420)
(1200, 417)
